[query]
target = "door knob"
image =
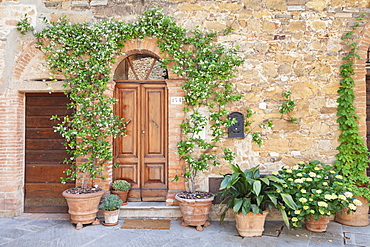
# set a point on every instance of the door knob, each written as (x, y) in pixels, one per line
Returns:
(143, 131)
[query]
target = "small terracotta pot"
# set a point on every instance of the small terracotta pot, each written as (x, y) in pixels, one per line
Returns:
(122, 195)
(251, 225)
(111, 218)
(358, 218)
(195, 211)
(317, 225)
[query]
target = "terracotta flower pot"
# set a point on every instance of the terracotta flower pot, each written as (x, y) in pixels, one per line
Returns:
(122, 195)
(358, 218)
(195, 211)
(317, 225)
(111, 218)
(251, 225)
(83, 207)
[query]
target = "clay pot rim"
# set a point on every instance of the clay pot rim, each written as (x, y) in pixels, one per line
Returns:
(95, 194)
(266, 212)
(194, 200)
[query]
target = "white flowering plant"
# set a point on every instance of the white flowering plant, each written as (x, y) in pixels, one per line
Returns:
(316, 189)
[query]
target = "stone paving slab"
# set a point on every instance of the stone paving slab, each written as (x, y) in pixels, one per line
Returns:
(19, 232)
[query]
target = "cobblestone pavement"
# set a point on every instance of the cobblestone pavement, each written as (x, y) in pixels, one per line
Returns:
(55, 232)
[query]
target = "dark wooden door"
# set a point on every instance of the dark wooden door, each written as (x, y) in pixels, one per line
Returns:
(45, 154)
(142, 154)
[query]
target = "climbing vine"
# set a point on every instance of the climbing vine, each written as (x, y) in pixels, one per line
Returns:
(352, 159)
(84, 54)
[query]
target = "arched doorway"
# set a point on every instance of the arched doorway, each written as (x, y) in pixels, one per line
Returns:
(141, 156)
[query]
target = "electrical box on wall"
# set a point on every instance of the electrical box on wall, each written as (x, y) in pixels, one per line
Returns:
(236, 130)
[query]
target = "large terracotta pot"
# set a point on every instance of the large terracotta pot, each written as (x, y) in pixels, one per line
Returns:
(122, 195)
(358, 218)
(111, 218)
(317, 225)
(251, 225)
(83, 207)
(195, 211)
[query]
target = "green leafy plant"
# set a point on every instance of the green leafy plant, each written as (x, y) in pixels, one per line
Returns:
(83, 53)
(121, 185)
(353, 157)
(111, 203)
(286, 107)
(318, 190)
(246, 191)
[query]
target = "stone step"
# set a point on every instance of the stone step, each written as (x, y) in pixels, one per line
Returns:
(149, 210)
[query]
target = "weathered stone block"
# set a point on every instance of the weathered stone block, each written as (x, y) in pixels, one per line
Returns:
(214, 25)
(276, 4)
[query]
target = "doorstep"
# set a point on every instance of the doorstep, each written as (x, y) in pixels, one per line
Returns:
(149, 210)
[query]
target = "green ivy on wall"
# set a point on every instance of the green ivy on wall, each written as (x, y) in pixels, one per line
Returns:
(84, 54)
(353, 157)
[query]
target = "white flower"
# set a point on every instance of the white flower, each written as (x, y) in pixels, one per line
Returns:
(302, 199)
(352, 206)
(309, 179)
(303, 191)
(298, 181)
(295, 167)
(322, 204)
(357, 202)
(299, 174)
(328, 197)
(348, 194)
(342, 197)
(312, 174)
(318, 191)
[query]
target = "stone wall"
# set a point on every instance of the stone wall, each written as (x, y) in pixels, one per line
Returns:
(289, 45)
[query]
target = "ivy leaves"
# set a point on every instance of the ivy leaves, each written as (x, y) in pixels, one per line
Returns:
(352, 159)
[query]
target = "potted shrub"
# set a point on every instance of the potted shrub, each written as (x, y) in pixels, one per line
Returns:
(121, 189)
(251, 196)
(111, 205)
(319, 193)
(90, 130)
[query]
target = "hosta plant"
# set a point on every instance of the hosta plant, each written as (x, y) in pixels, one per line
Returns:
(247, 191)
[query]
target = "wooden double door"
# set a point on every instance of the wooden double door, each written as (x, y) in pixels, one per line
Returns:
(141, 155)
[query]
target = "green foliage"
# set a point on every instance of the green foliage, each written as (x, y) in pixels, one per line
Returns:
(318, 191)
(286, 107)
(353, 157)
(83, 53)
(246, 191)
(121, 185)
(23, 26)
(111, 203)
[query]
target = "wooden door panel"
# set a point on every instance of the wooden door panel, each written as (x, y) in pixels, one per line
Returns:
(141, 155)
(154, 148)
(127, 147)
(51, 173)
(44, 154)
(154, 121)
(128, 100)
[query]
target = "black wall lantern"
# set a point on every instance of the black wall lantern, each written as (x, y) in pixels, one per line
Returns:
(237, 130)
